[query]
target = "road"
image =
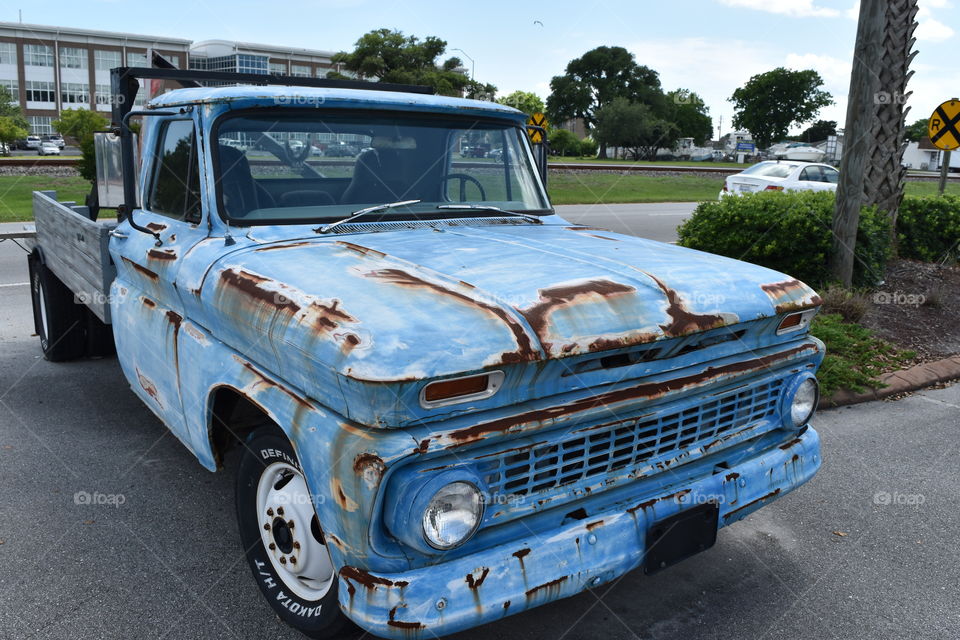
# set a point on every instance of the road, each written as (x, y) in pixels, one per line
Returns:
(867, 549)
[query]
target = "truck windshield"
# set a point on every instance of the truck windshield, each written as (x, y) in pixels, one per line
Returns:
(296, 168)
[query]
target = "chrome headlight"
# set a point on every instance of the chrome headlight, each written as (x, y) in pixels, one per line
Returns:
(800, 400)
(452, 515)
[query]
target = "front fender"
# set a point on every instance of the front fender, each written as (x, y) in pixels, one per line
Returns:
(343, 463)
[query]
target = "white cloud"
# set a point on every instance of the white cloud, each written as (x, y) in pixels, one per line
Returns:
(932, 30)
(796, 8)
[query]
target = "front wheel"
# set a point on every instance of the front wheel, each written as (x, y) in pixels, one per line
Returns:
(282, 537)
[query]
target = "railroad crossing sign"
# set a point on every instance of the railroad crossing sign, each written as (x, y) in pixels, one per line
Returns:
(536, 127)
(944, 128)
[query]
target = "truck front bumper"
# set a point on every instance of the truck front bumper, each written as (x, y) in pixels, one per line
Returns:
(525, 573)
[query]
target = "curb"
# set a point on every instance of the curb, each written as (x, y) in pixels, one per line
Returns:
(912, 379)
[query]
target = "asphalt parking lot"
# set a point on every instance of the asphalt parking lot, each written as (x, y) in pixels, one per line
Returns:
(867, 549)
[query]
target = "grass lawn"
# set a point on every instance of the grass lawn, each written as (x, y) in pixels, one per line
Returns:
(658, 163)
(593, 188)
(915, 188)
(16, 194)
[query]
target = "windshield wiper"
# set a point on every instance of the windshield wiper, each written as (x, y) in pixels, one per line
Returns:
(490, 207)
(362, 212)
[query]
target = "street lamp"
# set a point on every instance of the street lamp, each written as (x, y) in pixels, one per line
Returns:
(472, 65)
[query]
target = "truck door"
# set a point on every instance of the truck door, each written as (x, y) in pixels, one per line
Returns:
(145, 303)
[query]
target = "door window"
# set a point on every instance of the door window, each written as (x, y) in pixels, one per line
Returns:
(175, 188)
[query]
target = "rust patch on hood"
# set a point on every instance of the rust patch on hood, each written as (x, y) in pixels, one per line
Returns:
(366, 251)
(646, 390)
(281, 247)
(525, 352)
(685, 321)
(791, 295)
(327, 317)
(554, 298)
(251, 284)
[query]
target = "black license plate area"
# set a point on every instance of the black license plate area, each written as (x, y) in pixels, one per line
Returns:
(680, 536)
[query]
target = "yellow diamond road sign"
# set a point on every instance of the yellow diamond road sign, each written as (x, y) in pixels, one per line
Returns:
(535, 126)
(944, 129)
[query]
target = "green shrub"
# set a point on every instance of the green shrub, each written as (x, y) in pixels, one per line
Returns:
(563, 142)
(855, 357)
(928, 228)
(588, 147)
(788, 232)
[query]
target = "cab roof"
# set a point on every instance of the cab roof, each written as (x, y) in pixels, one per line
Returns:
(241, 97)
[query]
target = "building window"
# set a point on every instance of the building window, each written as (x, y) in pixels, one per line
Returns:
(74, 93)
(8, 53)
(73, 58)
(38, 55)
(39, 91)
(102, 94)
(106, 60)
(300, 70)
(13, 88)
(172, 59)
(136, 59)
(278, 68)
(247, 63)
(40, 125)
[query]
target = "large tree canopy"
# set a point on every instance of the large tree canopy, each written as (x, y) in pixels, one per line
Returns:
(819, 131)
(918, 130)
(772, 102)
(390, 56)
(596, 79)
(690, 115)
(635, 127)
(525, 101)
(13, 126)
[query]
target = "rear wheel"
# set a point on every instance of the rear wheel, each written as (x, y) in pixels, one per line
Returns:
(60, 322)
(282, 537)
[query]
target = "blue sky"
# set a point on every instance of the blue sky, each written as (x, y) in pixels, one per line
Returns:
(709, 46)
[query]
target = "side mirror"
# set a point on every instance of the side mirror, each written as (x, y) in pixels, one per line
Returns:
(109, 160)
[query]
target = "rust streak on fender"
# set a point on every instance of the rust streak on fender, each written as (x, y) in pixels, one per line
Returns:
(648, 390)
(552, 587)
(150, 304)
(165, 255)
(156, 226)
(473, 582)
(366, 579)
(302, 402)
(141, 269)
(526, 351)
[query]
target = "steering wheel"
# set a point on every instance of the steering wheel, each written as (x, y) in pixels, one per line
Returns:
(464, 179)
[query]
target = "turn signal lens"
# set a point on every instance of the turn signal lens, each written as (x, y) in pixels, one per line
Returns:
(791, 321)
(456, 388)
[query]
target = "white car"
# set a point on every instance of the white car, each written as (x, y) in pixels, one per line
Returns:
(33, 142)
(782, 175)
(49, 149)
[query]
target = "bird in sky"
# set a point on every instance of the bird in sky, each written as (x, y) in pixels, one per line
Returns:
(538, 22)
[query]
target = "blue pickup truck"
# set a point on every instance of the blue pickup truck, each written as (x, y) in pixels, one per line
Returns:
(444, 403)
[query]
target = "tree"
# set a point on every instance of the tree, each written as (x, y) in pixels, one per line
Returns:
(390, 56)
(772, 102)
(80, 124)
(918, 130)
(525, 101)
(690, 115)
(634, 126)
(564, 142)
(819, 131)
(597, 78)
(13, 126)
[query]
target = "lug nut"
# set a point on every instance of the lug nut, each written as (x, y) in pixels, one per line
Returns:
(296, 545)
(269, 512)
(290, 523)
(267, 526)
(273, 547)
(283, 560)
(280, 511)
(293, 560)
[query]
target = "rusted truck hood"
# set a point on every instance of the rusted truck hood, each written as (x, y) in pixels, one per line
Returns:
(413, 304)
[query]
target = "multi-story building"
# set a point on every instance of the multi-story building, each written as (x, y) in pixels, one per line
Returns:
(49, 69)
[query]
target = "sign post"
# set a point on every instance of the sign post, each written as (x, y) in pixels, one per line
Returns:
(537, 130)
(944, 132)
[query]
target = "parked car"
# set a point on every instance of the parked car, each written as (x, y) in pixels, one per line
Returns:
(32, 142)
(448, 403)
(55, 138)
(775, 175)
(48, 148)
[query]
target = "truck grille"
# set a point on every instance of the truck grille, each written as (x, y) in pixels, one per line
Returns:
(628, 443)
